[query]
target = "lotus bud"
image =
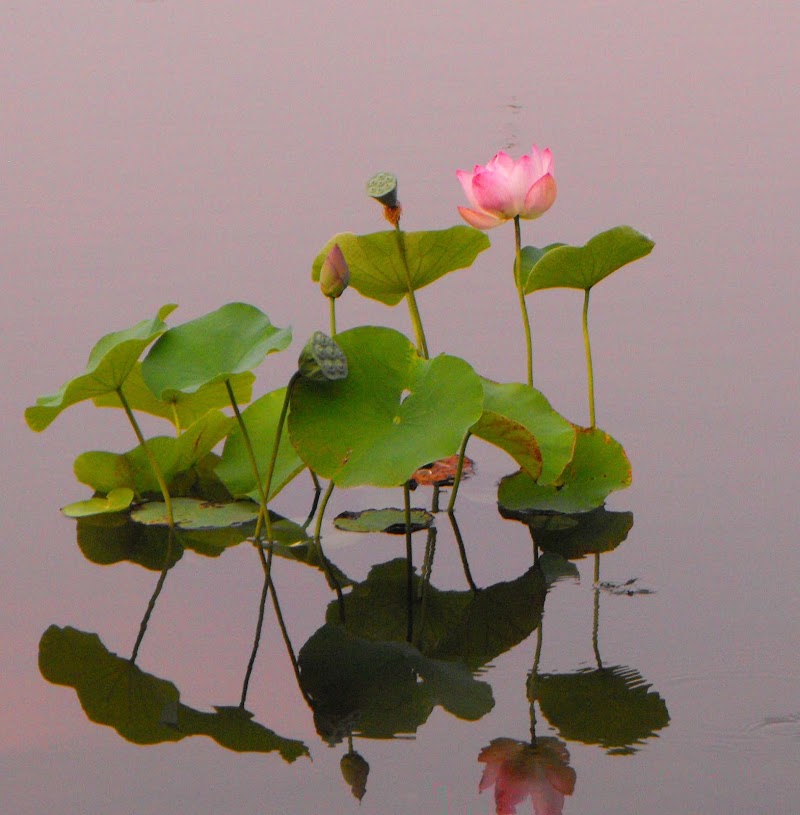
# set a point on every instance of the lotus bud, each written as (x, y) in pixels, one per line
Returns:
(355, 771)
(322, 360)
(383, 188)
(334, 276)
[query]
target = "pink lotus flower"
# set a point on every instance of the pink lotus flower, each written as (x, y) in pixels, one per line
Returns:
(519, 770)
(334, 276)
(505, 188)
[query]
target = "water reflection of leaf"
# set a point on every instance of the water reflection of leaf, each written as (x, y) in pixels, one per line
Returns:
(611, 706)
(141, 707)
(381, 689)
(579, 534)
(390, 520)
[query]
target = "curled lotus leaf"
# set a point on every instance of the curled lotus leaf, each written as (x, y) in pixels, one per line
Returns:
(116, 501)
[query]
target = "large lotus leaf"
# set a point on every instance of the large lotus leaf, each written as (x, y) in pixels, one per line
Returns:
(108, 539)
(580, 534)
(393, 413)
(182, 409)
(376, 261)
(385, 688)
(581, 267)
(598, 468)
(520, 420)
(110, 362)
(235, 469)
(116, 501)
(141, 707)
(105, 471)
(215, 347)
(613, 707)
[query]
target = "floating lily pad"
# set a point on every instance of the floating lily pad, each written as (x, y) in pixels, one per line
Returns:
(211, 349)
(598, 468)
(116, 501)
(182, 409)
(391, 520)
(393, 413)
(193, 513)
(110, 362)
(520, 420)
(581, 267)
(377, 268)
(104, 471)
(235, 469)
(141, 707)
(613, 707)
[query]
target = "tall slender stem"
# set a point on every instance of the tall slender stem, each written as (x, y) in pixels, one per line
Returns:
(162, 484)
(248, 445)
(521, 292)
(588, 347)
(409, 565)
(459, 471)
(333, 316)
(416, 320)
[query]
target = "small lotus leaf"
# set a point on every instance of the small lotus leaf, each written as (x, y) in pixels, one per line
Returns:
(581, 267)
(393, 413)
(391, 520)
(182, 409)
(110, 362)
(520, 420)
(235, 469)
(211, 349)
(377, 266)
(598, 468)
(193, 513)
(116, 501)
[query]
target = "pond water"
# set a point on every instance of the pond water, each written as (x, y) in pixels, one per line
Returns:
(202, 153)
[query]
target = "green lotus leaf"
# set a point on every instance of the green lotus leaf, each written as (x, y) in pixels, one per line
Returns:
(116, 501)
(599, 467)
(393, 413)
(377, 268)
(105, 471)
(531, 255)
(194, 513)
(235, 469)
(110, 362)
(391, 520)
(520, 420)
(581, 267)
(611, 706)
(580, 534)
(141, 707)
(211, 349)
(182, 409)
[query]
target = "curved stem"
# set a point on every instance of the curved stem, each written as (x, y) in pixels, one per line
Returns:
(416, 320)
(521, 292)
(459, 471)
(462, 552)
(152, 604)
(588, 347)
(162, 484)
(333, 316)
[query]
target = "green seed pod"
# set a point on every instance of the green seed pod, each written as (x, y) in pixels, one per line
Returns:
(383, 188)
(322, 360)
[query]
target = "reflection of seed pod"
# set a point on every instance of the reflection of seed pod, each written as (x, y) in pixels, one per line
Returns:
(383, 187)
(322, 360)
(355, 771)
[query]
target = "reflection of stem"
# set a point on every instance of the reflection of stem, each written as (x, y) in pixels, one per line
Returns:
(425, 581)
(409, 565)
(435, 499)
(535, 545)
(332, 581)
(532, 682)
(462, 551)
(419, 333)
(588, 347)
(459, 472)
(162, 484)
(596, 623)
(266, 564)
(333, 316)
(521, 292)
(152, 604)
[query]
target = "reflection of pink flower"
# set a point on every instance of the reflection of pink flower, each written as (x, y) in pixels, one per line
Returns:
(505, 188)
(518, 770)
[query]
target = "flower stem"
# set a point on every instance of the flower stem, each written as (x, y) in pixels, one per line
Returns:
(162, 484)
(419, 332)
(521, 292)
(248, 445)
(588, 347)
(333, 316)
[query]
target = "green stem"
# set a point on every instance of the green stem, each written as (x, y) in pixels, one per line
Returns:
(248, 446)
(331, 577)
(162, 484)
(521, 292)
(588, 347)
(459, 471)
(462, 552)
(419, 332)
(333, 316)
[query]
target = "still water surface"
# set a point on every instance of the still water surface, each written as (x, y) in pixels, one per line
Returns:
(201, 154)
